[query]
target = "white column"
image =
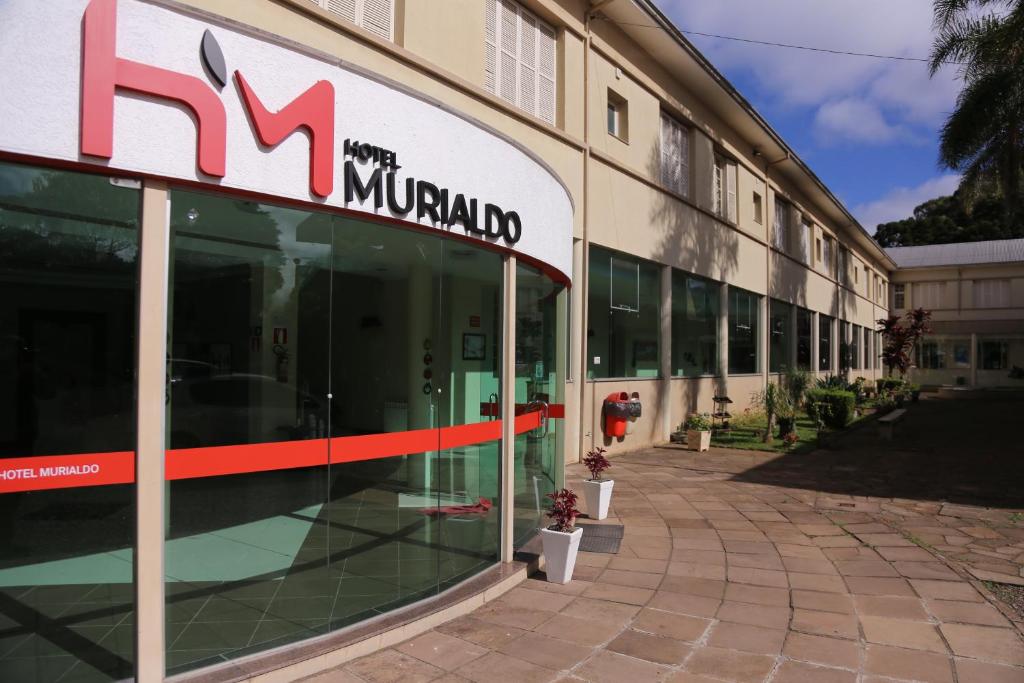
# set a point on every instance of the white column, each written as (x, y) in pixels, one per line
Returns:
(508, 410)
(665, 392)
(151, 340)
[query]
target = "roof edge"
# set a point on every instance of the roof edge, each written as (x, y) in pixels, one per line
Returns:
(670, 28)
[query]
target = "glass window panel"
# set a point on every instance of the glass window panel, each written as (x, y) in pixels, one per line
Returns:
(824, 343)
(804, 321)
(780, 331)
(845, 357)
(539, 385)
(855, 348)
(744, 316)
(694, 325)
(69, 246)
(622, 342)
(299, 342)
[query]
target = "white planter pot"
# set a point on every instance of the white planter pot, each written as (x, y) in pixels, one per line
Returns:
(698, 441)
(560, 550)
(597, 494)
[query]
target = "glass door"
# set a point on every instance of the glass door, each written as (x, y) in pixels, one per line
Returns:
(384, 320)
(539, 386)
(468, 390)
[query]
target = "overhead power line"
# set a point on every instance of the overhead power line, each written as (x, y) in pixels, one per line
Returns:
(788, 45)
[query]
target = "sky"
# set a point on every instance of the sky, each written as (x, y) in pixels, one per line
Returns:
(867, 127)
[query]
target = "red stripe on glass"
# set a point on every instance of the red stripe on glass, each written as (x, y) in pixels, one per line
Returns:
(98, 469)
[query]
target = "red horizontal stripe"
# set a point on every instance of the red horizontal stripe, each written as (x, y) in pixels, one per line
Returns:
(555, 410)
(98, 469)
(41, 472)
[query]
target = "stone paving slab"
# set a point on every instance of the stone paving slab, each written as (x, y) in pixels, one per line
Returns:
(734, 567)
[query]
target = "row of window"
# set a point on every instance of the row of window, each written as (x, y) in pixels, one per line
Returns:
(930, 295)
(520, 68)
(955, 354)
(624, 326)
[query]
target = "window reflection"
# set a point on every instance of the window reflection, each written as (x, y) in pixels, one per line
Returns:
(316, 362)
(68, 249)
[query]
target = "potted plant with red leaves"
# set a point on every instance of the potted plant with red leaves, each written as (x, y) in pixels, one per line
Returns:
(561, 540)
(597, 491)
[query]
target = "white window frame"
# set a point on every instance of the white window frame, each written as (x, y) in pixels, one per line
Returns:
(929, 295)
(723, 180)
(780, 228)
(829, 255)
(375, 16)
(674, 151)
(520, 58)
(991, 293)
(806, 231)
(899, 296)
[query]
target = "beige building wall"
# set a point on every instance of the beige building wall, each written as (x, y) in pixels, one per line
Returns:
(614, 181)
(970, 335)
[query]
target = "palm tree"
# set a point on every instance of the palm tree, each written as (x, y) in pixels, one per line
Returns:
(984, 137)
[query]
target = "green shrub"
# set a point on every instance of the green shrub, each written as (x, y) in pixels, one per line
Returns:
(889, 384)
(833, 407)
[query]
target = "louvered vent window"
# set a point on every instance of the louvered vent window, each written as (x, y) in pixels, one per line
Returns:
(376, 16)
(675, 155)
(520, 64)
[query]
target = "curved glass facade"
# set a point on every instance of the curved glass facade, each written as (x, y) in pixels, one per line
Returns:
(333, 421)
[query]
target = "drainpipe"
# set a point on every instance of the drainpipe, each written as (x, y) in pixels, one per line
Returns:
(584, 277)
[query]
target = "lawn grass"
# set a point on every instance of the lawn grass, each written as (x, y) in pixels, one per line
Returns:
(747, 429)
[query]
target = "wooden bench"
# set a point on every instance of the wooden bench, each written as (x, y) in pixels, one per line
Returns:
(887, 422)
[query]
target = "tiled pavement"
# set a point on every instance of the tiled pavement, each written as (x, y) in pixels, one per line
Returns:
(727, 576)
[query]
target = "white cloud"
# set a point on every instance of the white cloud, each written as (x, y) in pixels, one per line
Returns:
(855, 119)
(900, 98)
(899, 202)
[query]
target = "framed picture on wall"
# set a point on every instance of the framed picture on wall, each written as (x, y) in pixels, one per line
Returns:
(474, 346)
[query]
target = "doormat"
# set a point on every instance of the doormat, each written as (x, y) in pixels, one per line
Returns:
(601, 538)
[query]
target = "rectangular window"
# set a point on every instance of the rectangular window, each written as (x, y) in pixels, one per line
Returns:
(520, 58)
(781, 239)
(779, 353)
(991, 293)
(824, 343)
(68, 298)
(899, 296)
(855, 347)
(694, 325)
(744, 314)
(929, 295)
(844, 346)
(758, 208)
(806, 228)
(993, 354)
(675, 155)
(724, 188)
(618, 116)
(828, 256)
(624, 323)
(843, 266)
(376, 16)
(804, 322)
(930, 356)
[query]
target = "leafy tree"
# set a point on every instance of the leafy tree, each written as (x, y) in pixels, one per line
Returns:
(984, 136)
(899, 340)
(945, 219)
